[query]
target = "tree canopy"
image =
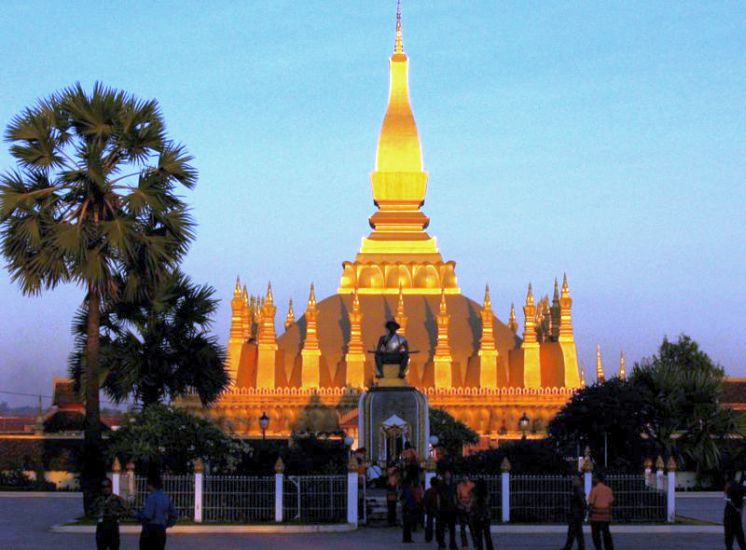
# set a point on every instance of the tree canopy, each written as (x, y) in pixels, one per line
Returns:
(452, 434)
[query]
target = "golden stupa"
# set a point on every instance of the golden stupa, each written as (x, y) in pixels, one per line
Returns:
(310, 377)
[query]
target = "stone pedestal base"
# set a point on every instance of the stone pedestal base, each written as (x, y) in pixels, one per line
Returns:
(389, 417)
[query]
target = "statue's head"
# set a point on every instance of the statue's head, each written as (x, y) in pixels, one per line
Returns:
(392, 326)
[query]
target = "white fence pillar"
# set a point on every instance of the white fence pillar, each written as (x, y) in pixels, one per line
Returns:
(199, 477)
(116, 473)
(587, 483)
(279, 488)
(130, 475)
(659, 482)
(505, 490)
(352, 492)
(671, 491)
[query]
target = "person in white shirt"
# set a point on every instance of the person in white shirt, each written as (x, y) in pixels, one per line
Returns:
(392, 349)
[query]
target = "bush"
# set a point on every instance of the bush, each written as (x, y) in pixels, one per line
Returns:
(525, 456)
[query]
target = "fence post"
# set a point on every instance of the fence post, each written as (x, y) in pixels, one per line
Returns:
(505, 490)
(199, 475)
(352, 492)
(659, 465)
(116, 472)
(131, 481)
(671, 492)
(587, 472)
(648, 464)
(279, 488)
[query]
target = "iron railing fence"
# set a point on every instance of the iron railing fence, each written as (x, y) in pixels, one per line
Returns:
(238, 499)
(494, 487)
(179, 487)
(315, 499)
(635, 501)
(539, 498)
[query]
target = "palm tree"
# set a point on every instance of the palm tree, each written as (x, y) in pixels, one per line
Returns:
(92, 201)
(158, 348)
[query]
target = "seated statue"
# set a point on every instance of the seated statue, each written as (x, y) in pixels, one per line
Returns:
(392, 349)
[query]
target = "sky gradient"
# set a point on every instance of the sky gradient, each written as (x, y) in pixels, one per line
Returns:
(603, 140)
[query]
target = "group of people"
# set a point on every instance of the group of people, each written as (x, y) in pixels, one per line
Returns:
(157, 515)
(597, 507)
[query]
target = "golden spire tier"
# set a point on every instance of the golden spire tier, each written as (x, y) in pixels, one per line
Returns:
(399, 252)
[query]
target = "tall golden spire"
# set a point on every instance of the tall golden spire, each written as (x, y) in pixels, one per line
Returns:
(401, 315)
(512, 321)
(246, 312)
(355, 356)
(310, 354)
(600, 377)
(488, 376)
(290, 317)
(531, 354)
(529, 313)
(442, 360)
(267, 343)
(565, 303)
(622, 372)
(398, 43)
(237, 335)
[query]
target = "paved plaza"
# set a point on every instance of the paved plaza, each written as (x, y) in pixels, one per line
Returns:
(25, 522)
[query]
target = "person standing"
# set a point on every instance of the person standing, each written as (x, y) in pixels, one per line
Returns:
(480, 517)
(108, 509)
(464, 502)
(732, 519)
(158, 514)
(392, 489)
(409, 507)
(576, 515)
(431, 508)
(600, 500)
(446, 511)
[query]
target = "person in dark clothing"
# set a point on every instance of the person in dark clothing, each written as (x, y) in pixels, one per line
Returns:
(431, 508)
(392, 489)
(732, 520)
(480, 517)
(409, 507)
(158, 514)
(108, 510)
(446, 511)
(576, 515)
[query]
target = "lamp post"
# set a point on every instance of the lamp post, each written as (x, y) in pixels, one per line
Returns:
(523, 424)
(433, 443)
(348, 445)
(263, 424)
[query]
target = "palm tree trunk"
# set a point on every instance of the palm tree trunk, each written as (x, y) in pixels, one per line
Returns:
(93, 465)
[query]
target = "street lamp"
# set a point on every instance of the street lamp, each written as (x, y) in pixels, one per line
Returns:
(433, 443)
(348, 445)
(523, 424)
(263, 424)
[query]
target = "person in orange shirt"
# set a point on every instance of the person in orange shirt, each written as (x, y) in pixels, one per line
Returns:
(600, 500)
(464, 504)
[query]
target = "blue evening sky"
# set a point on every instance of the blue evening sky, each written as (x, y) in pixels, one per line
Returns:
(602, 139)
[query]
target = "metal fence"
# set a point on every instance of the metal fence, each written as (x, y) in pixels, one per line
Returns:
(238, 499)
(634, 501)
(539, 498)
(315, 499)
(179, 487)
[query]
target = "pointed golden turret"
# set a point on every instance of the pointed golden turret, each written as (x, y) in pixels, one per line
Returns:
(599, 366)
(290, 317)
(236, 337)
(355, 357)
(531, 353)
(310, 354)
(555, 312)
(565, 326)
(582, 377)
(247, 319)
(512, 321)
(442, 360)
(488, 376)
(401, 315)
(622, 372)
(566, 338)
(267, 343)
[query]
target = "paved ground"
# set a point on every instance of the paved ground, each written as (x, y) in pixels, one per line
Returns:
(709, 509)
(24, 524)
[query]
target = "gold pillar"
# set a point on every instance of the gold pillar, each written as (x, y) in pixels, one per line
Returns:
(443, 360)
(310, 353)
(531, 355)
(487, 350)
(236, 336)
(290, 317)
(401, 316)
(355, 357)
(567, 338)
(267, 343)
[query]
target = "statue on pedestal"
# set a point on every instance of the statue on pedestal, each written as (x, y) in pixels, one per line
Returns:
(392, 349)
